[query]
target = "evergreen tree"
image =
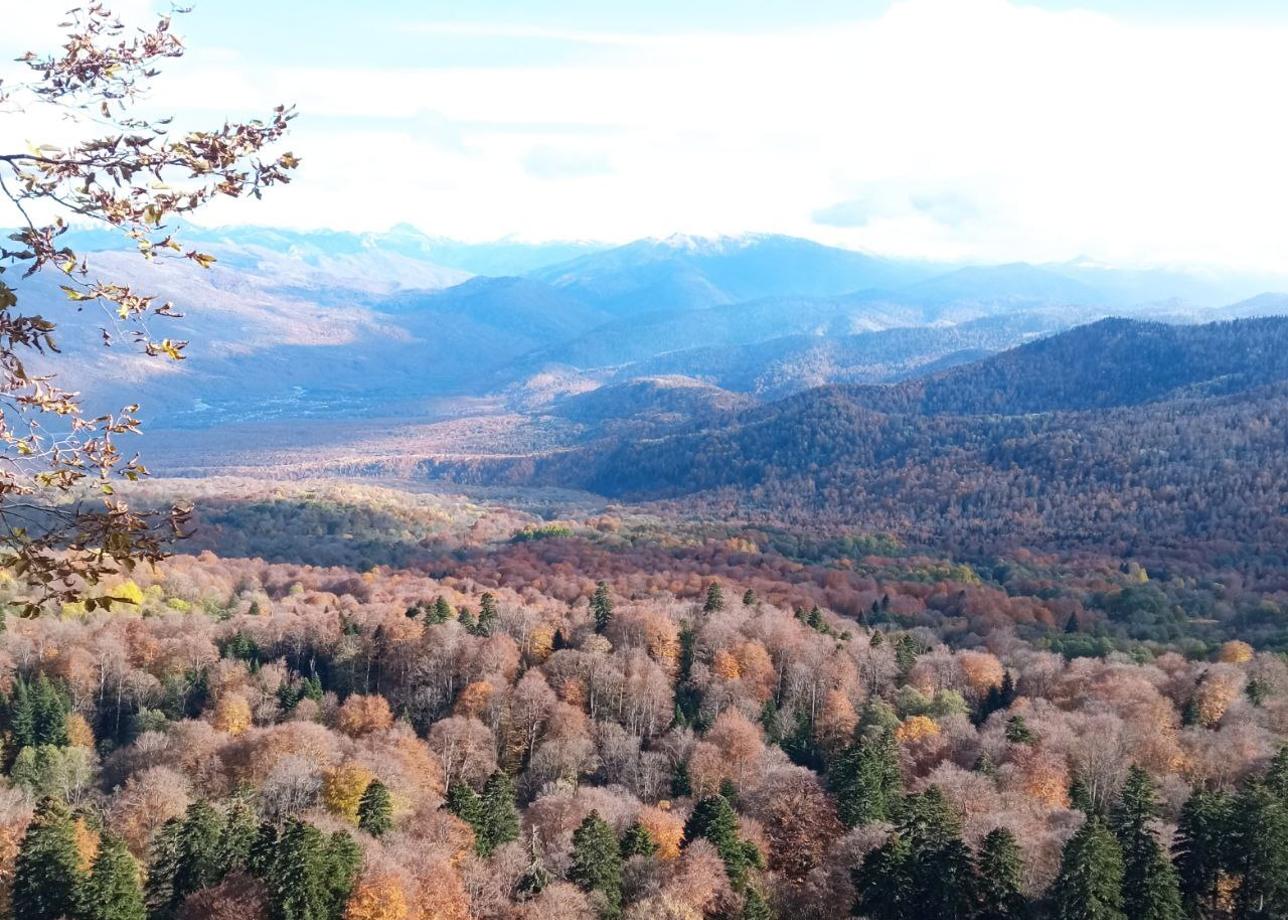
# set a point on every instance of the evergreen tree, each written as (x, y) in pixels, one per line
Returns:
(637, 841)
(867, 780)
(715, 598)
(680, 785)
(499, 815)
(883, 882)
(1080, 796)
(1150, 887)
(1276, 779)
(441, 612)
(341, 865)
(906, 650)
(1260, 845)
(309, 876)
(1090, 883)
(601, 607)
(465, 803)
(1000, 867)
(113, 891)
(163, 862)
(714, 819)
(749, 598)
(241, 828)
(375, 809)
(200, 861)
(1018, 731)
(997, 699)
(1203, 837)
(755, 907)
(488, 615)
(597, 862)
(46, 875)
(923, 870)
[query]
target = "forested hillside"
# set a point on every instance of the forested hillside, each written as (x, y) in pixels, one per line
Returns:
(1127, 436)
(635, 717)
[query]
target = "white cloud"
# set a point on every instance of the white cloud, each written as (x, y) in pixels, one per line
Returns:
(963, 128)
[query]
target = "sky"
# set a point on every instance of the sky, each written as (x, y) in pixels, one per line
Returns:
(1129, 133)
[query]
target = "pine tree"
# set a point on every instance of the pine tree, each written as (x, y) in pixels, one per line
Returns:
(46, 875)
(637, 841)
(241, 828)
(867, 780)
(340, 865)
(680, 784)
(714, 819)
(163, 862)
(1150, 887)
(465, 803)
(500, 816)
(1018, 731)
(1090, 883)
(113, 891)
(309, 876)
(375, 809)
(441, 612)
(597, 862)
(1276, 779)
(715, 598)
(50, 713)
(601, 607)
(1261, 847)
(1000, 868)
(755, 907)
(488, 615)
(200, 859)
(883, 882)
(749, 598)
(1203, 838)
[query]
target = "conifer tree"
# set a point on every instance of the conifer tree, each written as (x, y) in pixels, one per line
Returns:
(1000, 868)
(241, 828)
(637, 841)
(601, 607)
(883, 882)
(488, 614)
(1260, 845)
(715, 598)
(113, 891)
(597, 862)
(1090, 883)
(375, 809)
(1203, 837)
(441, 612)
(755, 907)
(1276, 779)
(1018, 731)
(749, 598)
(309, 876)
(1150, 887)
(163, 862)
(46, 875)
(867, 780)
(714, 819)
(200, 861)
(499, 815)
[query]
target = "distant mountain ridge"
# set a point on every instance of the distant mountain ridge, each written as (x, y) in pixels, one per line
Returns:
(1112, 432)
(295, 324)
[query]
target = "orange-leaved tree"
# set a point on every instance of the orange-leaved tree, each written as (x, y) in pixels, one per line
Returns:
(63, 527)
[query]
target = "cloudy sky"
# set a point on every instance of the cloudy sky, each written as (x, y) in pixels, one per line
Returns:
(1149, 132)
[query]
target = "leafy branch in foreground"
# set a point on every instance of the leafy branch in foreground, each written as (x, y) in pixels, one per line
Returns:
(132, 174)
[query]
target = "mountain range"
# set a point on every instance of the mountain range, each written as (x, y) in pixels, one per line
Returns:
(304, 325)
